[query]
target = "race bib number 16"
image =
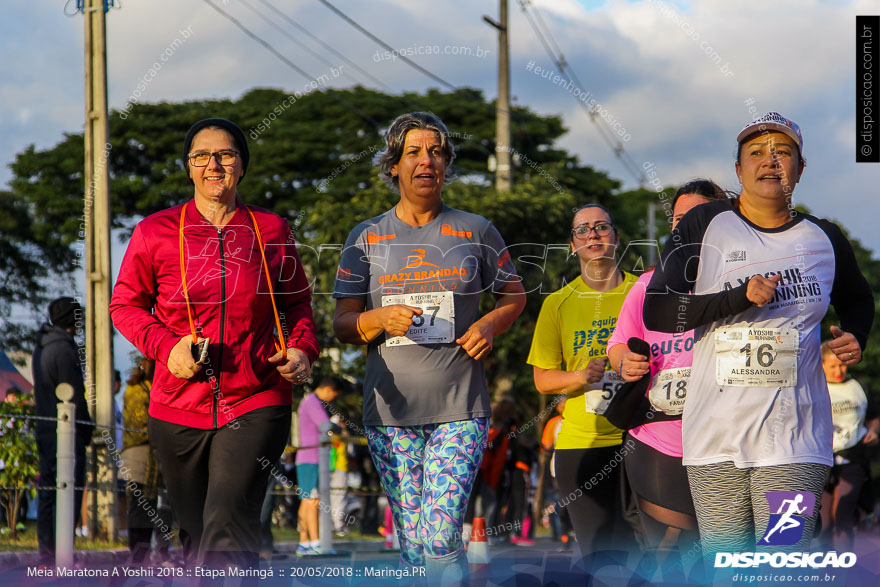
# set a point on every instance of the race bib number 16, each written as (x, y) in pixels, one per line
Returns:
(756, 357)
(436, 324)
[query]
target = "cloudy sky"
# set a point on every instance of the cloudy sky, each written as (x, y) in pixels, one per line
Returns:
(678, 76)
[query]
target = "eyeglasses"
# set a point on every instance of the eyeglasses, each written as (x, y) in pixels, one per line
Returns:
(583, 230)
(201, 159)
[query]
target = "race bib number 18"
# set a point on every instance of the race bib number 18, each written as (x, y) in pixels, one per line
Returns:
(669, 390)
(756, 357)
(436, 324)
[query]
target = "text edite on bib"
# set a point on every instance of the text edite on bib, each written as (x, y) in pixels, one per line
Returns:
(436, 325)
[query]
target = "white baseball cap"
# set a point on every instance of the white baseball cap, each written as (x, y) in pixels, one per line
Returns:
(770, 122)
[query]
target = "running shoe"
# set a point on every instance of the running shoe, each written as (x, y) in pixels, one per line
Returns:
(303, 550)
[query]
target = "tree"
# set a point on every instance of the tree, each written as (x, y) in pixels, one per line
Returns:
(321, 140)
(18, 456)
(311, 162)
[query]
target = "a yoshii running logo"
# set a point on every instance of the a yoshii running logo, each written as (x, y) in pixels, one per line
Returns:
(788, 513)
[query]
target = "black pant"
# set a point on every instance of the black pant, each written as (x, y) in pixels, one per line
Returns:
(47, 448)
(588, 481)
(216, 483)
(140, 524)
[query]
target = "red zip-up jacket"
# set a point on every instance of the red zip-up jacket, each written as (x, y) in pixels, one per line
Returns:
(231, 305)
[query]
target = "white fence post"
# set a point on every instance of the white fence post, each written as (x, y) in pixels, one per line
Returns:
(65, 460)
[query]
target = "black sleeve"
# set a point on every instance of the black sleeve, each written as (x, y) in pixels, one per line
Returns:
(669, 305)
(850, 295)
(66, 367)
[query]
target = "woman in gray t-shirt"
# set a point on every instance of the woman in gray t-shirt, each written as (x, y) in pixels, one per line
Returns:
(408, 286)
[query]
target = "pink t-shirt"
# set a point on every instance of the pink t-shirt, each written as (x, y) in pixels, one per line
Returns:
(668, 351)
(311, 414)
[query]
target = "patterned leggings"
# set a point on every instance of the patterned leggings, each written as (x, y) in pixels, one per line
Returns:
(427, 473)
(733, 512)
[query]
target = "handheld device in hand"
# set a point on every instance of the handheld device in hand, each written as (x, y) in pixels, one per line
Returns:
(200, 351)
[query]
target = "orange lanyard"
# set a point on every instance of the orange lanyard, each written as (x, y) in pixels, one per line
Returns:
(189, 313)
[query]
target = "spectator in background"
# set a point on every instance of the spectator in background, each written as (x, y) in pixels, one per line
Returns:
(856, 427)
(312, 414)
(495, 469)
(339, 477)
(279, 495)
(362, 466)
(519, 517)
(56, 361)
(141, 475)
(560, 523)
(118, 403)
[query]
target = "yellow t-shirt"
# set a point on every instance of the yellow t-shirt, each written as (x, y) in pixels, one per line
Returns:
(573, 327)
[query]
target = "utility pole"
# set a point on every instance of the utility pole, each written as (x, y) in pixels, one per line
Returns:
(99, 338)
(502, 103)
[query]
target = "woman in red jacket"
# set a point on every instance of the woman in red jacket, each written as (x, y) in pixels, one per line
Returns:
(213, 290)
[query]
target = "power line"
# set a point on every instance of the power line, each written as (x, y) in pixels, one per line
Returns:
(418, 67)
(275, 25)
(403, 58)
(340, 55)
(330, 48)
(293, 38)
(326, 46)
(286, 61)
(565, 69)
(378, 82)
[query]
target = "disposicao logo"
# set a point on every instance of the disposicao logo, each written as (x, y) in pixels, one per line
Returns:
(788, 513)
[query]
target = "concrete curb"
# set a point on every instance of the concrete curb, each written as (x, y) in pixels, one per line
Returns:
(119, 556)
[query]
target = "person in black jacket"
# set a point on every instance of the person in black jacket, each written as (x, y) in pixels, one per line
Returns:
(56, 361)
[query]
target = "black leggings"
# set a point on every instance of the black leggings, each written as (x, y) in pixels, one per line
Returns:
(217, 481)
(659, 478)
(840, 504)
(666, 509)
(588, 480)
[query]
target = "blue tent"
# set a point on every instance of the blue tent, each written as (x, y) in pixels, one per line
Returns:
(10, 378)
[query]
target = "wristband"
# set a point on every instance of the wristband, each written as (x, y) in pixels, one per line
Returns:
(357, 324)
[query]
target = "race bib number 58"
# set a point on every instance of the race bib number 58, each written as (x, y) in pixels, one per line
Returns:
(756, 357)
(600, 394)
(436, 324)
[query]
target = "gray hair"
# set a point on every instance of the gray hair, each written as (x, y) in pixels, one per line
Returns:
(395, 137)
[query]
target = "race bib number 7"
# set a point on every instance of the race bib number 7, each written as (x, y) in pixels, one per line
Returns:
(756, 357)
(436, 324)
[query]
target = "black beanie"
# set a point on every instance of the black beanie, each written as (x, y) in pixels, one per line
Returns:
(63, 312)
(227, 125)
